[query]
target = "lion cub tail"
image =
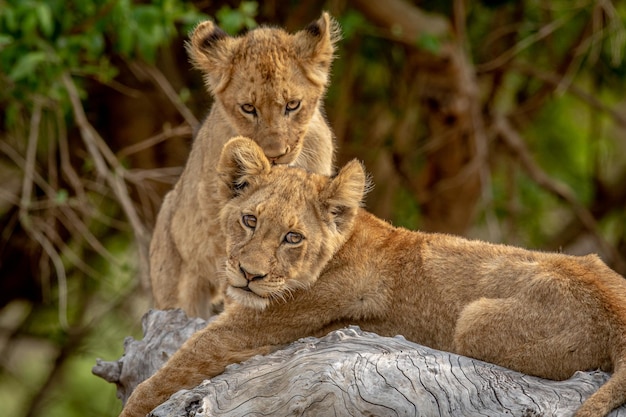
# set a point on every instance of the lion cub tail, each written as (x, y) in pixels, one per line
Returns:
(610, 395)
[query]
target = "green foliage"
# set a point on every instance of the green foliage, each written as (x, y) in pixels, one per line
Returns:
(89, 397)
(559, 139)
(429, 43)
(234, 21)
(352, 24)
(406, 210)
(138, 30)
(42, 40)
(530, 213)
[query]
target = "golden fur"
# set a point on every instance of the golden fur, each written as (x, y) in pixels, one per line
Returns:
(268, 85)
(304, 259)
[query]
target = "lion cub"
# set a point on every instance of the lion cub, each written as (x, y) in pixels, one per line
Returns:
(267, 85)
(305, 259)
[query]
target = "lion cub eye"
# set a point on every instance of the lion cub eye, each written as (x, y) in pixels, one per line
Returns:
(249, 221)
(248, 108)
(292, 106)
(293, 238)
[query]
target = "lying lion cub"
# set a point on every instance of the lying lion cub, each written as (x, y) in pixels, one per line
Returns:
(304, 259)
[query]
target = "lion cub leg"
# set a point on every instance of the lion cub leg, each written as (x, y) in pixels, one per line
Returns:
(196, 293)
(525, 336)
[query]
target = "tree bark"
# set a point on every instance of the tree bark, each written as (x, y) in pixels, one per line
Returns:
(347, 372)
(164, 332)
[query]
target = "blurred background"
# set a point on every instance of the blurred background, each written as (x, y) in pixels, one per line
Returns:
(496, 119)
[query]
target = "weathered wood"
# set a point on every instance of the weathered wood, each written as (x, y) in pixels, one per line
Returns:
(348, 372)
(164, 332)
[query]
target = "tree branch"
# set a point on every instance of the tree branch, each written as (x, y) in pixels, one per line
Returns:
(405, 21)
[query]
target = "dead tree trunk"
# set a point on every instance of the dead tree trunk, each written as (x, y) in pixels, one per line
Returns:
(347, 372)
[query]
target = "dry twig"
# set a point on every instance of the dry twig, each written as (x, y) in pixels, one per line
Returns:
(114, 176)
(159, 79)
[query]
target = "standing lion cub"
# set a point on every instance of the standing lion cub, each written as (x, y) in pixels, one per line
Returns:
(304, 259)
(267, 85)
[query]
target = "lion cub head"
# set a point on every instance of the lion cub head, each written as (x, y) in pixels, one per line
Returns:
(268, 82)
(282, 224)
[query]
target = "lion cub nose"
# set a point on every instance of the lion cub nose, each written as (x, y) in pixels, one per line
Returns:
(249, 276)
(276, 155)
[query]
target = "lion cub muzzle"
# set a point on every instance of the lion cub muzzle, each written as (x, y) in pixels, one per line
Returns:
(280, 157)
(248, 288)
(247, 281)
(281, 150)
(251, 276)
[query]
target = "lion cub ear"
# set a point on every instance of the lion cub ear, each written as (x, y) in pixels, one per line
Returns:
(210, 50)
(343, 195)
(315, 46)
(241, 160)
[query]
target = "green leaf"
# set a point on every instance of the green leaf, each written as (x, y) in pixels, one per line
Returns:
(429, 43)
(184, 94)
(94, 43)
(233, 21)
(46, 22)
(191, 17)
(250, 23)
(5, 40)
(26, 65)
(351, 23)
(125, 40)
(10, 19)
(29, 24)
(249, 8)
(61, 197)
(228, 19)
